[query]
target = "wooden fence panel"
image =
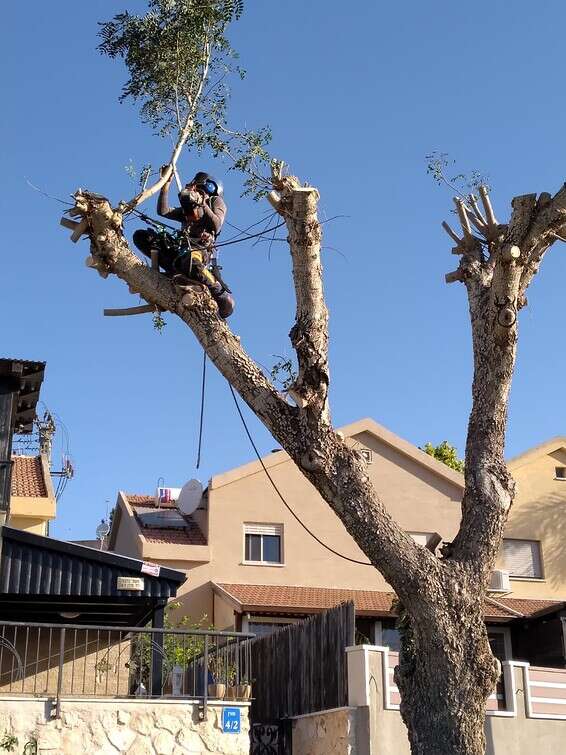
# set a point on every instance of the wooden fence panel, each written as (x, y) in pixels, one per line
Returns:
(302, 668)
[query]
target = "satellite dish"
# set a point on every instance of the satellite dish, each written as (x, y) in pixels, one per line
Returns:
(190, 496)
(102, 530)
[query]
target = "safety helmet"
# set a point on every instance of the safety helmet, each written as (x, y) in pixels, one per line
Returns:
(211, 185)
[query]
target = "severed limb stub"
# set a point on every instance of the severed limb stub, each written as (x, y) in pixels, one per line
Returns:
(467, 244)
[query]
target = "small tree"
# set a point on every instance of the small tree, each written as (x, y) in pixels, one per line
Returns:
(446, 670)
(445, 453)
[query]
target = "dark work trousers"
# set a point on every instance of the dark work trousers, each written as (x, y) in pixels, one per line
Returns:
(192, 264)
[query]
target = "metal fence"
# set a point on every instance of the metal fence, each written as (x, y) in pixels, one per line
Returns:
(59, 660)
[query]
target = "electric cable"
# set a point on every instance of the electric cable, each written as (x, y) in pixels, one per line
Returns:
(289, 509)
(201, 407)
(235, 240)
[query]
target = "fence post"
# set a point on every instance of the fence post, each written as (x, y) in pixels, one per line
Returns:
(157, 652)
(60, 672)
(204, 712)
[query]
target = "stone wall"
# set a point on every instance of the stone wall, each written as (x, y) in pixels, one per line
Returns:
(330, 732)
(125, 727)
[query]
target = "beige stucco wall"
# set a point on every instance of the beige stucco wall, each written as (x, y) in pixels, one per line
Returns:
(36, 525)
(126, 538)
(122, 726)
(539, 513)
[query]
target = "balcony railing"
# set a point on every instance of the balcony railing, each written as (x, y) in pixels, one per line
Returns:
(73, 660)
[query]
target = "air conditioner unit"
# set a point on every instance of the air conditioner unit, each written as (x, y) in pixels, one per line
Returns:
(499, 581)
(166, 495)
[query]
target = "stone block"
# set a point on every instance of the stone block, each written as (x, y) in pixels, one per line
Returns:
(170, 723)
(190, 740)
(163, 743)
(141, 746)
(142, 723)
(121, 738)
(124, 717)
(49, 740)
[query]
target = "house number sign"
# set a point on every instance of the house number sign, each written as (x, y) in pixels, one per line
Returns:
(231, 720)
(130, 583)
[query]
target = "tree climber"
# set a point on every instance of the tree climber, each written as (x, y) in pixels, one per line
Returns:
(190, 254)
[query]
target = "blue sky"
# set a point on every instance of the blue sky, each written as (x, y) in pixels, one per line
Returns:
(356, 96)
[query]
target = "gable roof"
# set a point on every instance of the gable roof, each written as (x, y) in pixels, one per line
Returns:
(366, 425)
(543, 449)
(291, 599)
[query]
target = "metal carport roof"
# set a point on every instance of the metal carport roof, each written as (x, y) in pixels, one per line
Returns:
(42, 578)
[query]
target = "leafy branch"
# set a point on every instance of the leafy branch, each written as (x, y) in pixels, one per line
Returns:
(172, 52)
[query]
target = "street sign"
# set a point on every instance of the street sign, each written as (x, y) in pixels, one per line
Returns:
(231, 720)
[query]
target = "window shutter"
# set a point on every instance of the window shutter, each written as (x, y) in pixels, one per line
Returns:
(521, 558)
(263, 529)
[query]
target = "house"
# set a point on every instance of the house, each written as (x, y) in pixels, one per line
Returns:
(252, 566)
(32, 499)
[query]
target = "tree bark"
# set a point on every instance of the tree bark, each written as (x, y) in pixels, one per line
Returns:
(445, 673)
(446, 669)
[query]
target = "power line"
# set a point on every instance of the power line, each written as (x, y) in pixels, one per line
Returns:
(271, 480)
(201, 407)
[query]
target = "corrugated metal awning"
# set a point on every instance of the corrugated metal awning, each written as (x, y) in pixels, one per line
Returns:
(60, 576)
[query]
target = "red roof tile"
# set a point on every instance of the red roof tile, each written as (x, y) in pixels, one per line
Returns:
(27, 477)
(305, 599)
(291, 599)
(524, 606)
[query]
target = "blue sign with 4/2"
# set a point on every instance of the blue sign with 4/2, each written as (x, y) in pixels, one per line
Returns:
(231, 720)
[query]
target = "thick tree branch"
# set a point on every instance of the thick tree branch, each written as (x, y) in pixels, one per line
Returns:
(496, 285)
(298, 206)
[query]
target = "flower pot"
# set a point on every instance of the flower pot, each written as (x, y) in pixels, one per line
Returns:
(231, 693)
(217, 691)
(244, 691)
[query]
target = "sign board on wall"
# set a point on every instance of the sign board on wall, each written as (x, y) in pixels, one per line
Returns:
(130, 583)
(231, 720)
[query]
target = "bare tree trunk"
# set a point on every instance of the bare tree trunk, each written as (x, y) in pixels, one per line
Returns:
(446, 669)
(446, 672)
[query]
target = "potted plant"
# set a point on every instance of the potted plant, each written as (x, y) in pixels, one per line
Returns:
(244, 689)
(216, 686)
(232, 691)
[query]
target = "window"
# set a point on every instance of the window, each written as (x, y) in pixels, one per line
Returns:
(521, 558)
(263, 543)
(560, 473)
(367, 455)
(430, 540)
(500, 642)
(420, 538)
(391, 638)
